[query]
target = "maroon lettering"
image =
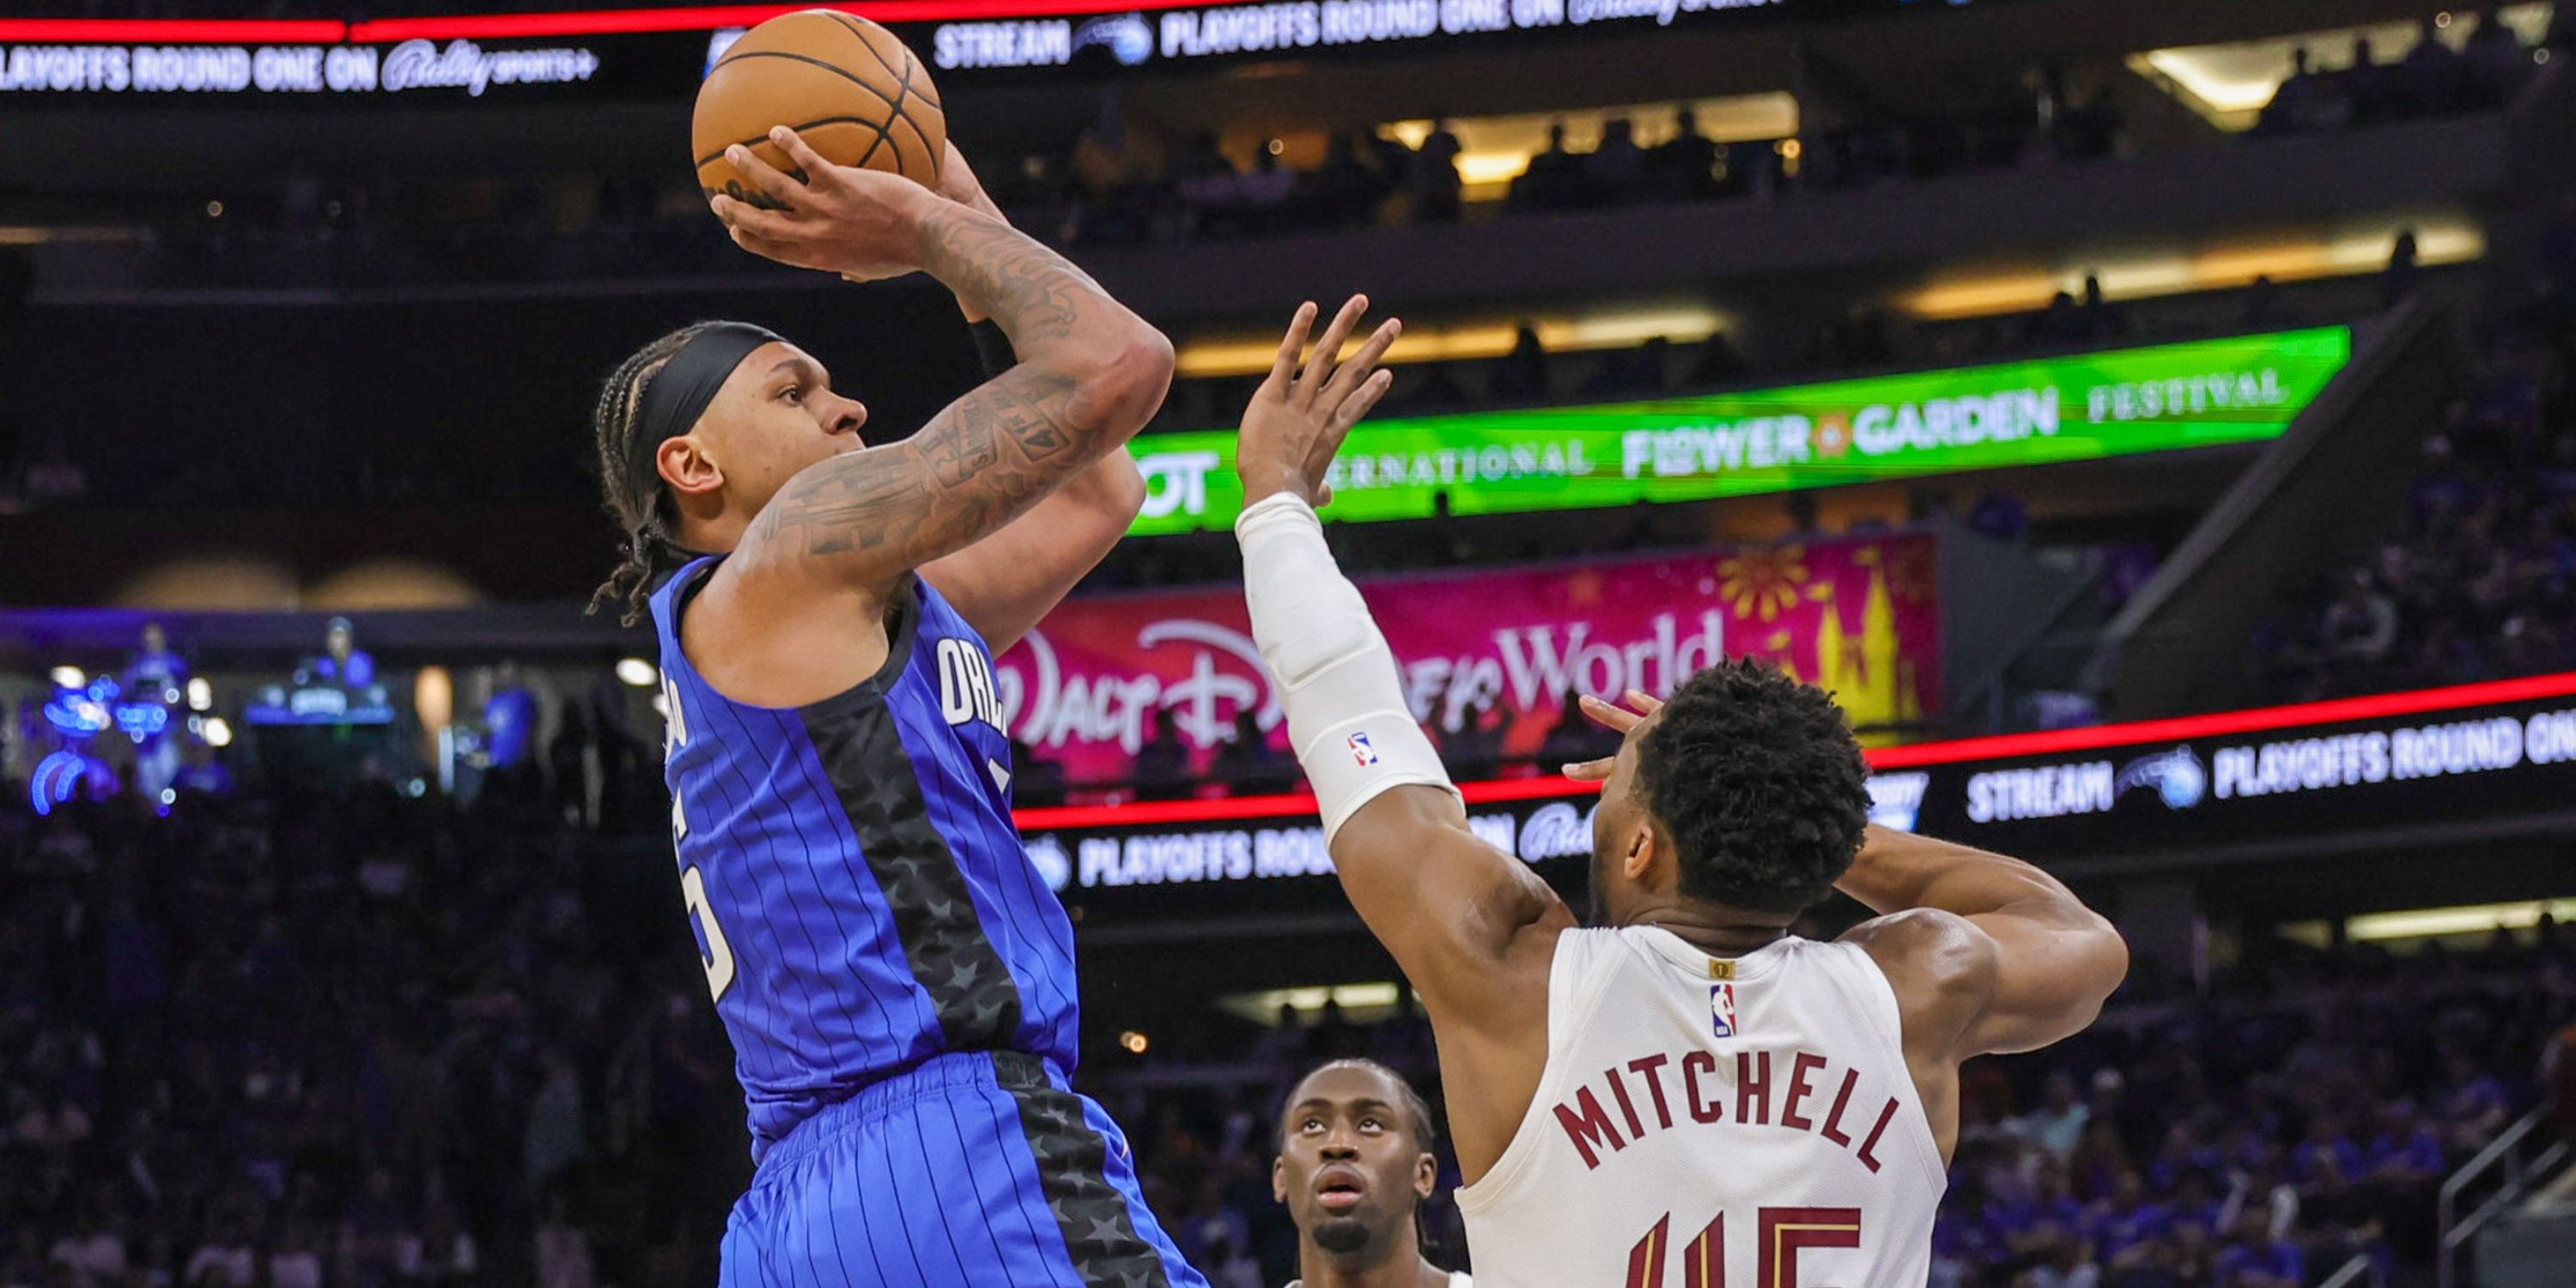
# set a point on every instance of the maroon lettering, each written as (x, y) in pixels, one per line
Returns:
(1704, 1262)
(1799, 1070)
(1589, 1127)
(1696, 1065)
(1753, 1087)
(1885, 1116)
(1788, 1231)
(1646, 1068)
(1646, 1259)
(1834, 1118)
(1627, 1108)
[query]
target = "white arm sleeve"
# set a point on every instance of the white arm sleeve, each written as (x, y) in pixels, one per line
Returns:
(1346, 713)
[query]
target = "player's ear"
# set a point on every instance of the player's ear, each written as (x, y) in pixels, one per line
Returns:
(1279, 1178)
(1426, 1174)
(1643, 850)
(683, 462)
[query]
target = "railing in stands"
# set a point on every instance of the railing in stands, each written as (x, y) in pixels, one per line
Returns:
(2362, 1268)
(2504, 1152)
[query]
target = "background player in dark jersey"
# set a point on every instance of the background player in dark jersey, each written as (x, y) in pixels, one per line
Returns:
(897, 981)
(1354, 1167)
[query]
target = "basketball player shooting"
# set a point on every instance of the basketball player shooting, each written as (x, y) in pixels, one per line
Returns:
(1683, 1092)
(897, 981)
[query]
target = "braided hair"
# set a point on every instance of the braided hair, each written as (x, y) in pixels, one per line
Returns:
(646, 514)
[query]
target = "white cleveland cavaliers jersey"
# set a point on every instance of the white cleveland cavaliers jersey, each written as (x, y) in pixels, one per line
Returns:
(1709, 1123)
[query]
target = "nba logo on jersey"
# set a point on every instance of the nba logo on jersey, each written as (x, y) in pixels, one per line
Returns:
(1721, 1009)
(1361, 751)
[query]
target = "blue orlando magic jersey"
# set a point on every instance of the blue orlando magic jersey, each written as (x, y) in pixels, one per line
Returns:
(856, 888)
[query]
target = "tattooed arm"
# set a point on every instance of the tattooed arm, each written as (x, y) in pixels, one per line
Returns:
(795, 604)
(1090, 374)
(1006, 582)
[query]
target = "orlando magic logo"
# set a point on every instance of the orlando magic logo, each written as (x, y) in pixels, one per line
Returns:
(1125, 36)
(2178, 776)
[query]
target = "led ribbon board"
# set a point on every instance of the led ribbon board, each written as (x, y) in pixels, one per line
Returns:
(2185, 789)
(662, 52)
(2125, 402)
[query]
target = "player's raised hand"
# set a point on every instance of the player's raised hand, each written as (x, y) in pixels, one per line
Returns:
(863, 224)
(1301, 413)
(1610, 716)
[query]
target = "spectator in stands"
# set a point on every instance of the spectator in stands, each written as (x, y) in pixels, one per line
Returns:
(2307, 101)
(1265, 190)
(1615, 172)
(1552, 180)
(2057, 1125)
(1204, 180)
(2371, 86)
(1432, 179)
(1521, 375)
(2428, 77)
(2102, 321)
(1246, 764)
(1344, 192)
(2000, 515)
(1163, 763)
(1718, 362)
(2253, 1258)
(2493, 63)
(1474, 747)
(1036, 781)
(1684, 167)
(2397, 281)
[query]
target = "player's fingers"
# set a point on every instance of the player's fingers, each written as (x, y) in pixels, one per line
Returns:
(1337, 426)
(765, 177)
(1354, 408)
(1283, 368)
(810, 164)
(1351, 375)
(744, 217)
(1589, 771)
(1611, 717)
(1319, 364)
(1645, 703)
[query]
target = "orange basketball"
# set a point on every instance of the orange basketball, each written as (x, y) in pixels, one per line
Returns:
(844, 83)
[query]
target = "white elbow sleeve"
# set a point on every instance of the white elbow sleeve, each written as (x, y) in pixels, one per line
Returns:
(1347, 717)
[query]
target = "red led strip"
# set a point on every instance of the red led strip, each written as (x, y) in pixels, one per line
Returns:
(171, 31)
(2223, 723)
(618, 21)
(2004, 747)
(505, 26)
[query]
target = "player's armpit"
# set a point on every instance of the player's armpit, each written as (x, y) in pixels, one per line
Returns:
(1003, 584)
(1447, 904)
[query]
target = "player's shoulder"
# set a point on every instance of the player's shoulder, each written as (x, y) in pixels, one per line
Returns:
(1930, 956)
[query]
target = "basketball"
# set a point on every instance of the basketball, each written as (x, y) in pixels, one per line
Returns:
(844, 83)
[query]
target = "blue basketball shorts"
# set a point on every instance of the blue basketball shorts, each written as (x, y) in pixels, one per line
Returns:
(971, 1170)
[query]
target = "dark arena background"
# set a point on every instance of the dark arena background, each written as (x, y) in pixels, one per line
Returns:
(2151, 418)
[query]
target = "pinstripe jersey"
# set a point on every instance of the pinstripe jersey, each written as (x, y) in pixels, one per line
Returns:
(857, 890)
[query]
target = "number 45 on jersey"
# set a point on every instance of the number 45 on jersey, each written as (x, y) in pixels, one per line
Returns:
(1781, 1234)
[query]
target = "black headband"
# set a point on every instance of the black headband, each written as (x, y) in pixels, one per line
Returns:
(679, 393)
